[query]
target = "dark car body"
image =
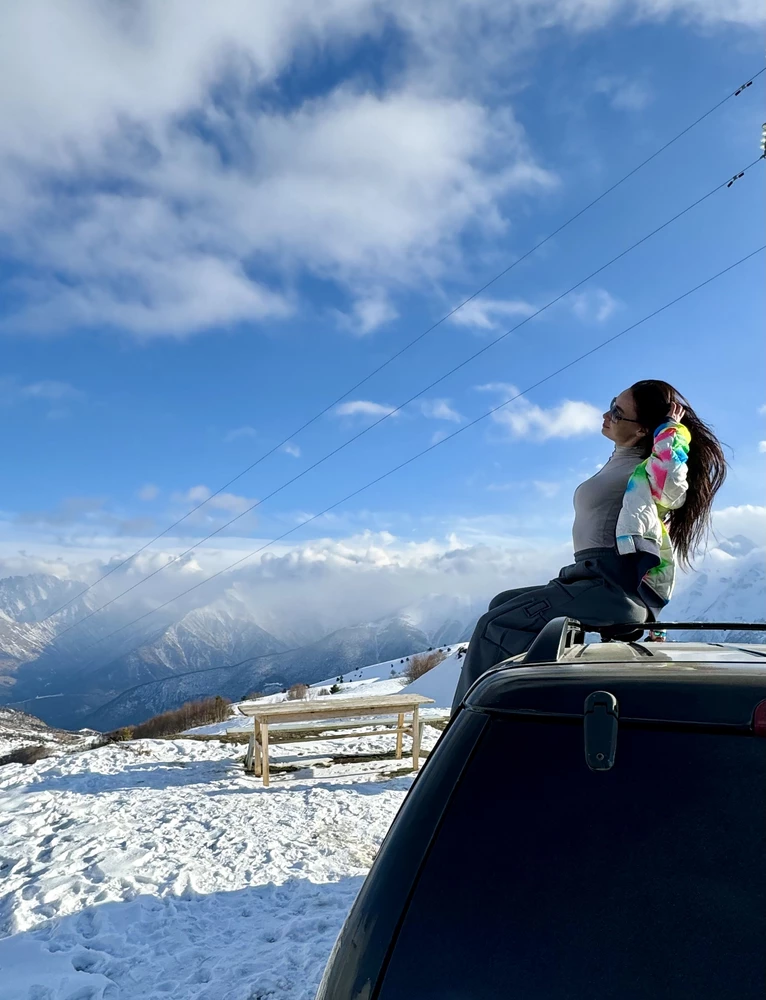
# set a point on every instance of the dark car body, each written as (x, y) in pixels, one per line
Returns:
(559, 845)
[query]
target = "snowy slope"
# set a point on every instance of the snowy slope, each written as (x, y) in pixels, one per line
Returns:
(376, 679)
(157, 869)
(441, 681)
(17, 729)
(378, 672)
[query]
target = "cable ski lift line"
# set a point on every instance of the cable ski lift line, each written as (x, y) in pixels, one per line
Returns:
(365, 430)
(397, 409)
(413, 458)
(397, 354)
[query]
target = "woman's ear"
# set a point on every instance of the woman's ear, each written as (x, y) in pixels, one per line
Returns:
(641, 434)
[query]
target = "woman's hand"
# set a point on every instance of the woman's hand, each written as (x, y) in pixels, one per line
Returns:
(676, 413)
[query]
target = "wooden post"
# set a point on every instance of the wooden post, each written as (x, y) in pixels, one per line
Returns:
(399, 735)
(257, 759)
(416, 737)
(265, 738)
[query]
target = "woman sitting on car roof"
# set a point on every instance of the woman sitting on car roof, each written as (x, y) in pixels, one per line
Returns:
(650, 501)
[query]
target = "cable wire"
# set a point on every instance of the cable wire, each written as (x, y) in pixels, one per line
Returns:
(437, 444)
(365, 430)
(412, 343)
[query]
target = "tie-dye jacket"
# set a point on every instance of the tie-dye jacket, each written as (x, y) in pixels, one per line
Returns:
(657, 486)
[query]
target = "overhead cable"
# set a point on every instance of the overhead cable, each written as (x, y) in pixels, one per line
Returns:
(437, 444)
(118, 565)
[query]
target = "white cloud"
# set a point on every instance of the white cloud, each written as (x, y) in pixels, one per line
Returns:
(547, 489)
(12, 390)
(231, 503)
(292, 449)
(228, 502)
(487, 314)
(240, 432)
(350, 187)
(148, 492)
(341, 580)
(181, 294)
(144, 179)
(361, 576)
(746, 519)
(440, 409)
(624, 94)
(522, 418)
(50, 390)
(158, 226)
(195, 494)
(369, 313)
(762, 410)
(364, 408)
(762, 447)
(595, 306)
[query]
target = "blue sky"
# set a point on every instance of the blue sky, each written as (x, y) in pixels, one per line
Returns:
(220, 217)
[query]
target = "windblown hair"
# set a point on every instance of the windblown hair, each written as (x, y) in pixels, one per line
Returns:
(688, 526)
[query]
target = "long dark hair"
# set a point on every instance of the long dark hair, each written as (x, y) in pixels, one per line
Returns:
(706, 469)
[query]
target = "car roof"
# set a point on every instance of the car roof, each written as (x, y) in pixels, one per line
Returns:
(670, 652)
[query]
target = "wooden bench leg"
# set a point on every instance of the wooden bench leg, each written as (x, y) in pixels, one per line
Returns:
(257, 751)
(399, 735)
(265, 748)
(415, 738)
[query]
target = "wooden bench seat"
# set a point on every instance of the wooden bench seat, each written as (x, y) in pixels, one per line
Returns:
(332, 718)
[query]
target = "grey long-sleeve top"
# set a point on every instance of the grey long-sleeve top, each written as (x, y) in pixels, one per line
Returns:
(598, 501)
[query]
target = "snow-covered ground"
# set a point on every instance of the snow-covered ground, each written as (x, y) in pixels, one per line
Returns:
(158, 869)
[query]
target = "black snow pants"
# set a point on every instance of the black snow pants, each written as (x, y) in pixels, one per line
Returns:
(599, 588)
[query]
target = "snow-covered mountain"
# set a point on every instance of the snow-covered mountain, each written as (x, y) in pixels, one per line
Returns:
(17, 729)
(223, 632)
(66, 673)
(32, 598)
(72, 677)
(338, 653)
(41, 653)
(729, 588)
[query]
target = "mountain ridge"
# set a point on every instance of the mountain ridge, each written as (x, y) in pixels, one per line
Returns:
(225, 644)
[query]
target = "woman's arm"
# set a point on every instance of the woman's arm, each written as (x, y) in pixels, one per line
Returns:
(666, 466)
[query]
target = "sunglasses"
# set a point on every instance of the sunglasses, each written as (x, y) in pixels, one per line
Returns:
(616, 414)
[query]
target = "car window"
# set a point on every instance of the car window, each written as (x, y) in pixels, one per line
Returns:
(548, 880)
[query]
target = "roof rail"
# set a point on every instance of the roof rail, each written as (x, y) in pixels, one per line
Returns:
(691, 626)
(560, 634)
(553, 640)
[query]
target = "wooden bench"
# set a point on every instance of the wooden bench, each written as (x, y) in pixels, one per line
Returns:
(357, 711)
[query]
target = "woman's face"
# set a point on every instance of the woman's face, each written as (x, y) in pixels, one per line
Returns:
(620, 423)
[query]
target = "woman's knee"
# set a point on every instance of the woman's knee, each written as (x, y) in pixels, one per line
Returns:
(502, 598)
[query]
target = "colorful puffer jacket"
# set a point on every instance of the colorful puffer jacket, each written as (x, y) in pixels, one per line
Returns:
(657, 486)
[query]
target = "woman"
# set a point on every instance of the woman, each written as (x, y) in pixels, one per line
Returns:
(652, 497)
